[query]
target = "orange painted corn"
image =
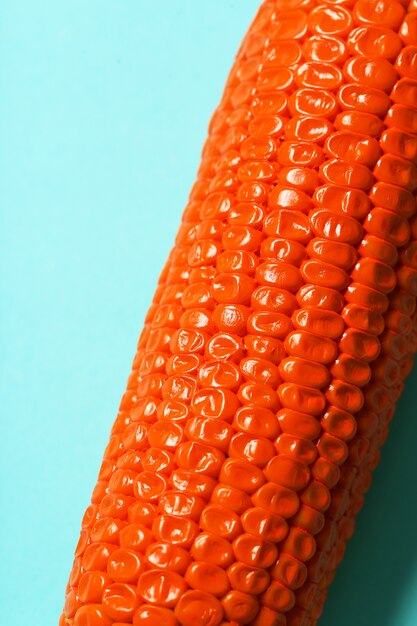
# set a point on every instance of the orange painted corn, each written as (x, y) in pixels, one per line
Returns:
(278, 340)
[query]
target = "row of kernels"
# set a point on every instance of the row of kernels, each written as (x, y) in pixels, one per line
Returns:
(272, 326)
(338, 510)
(200, 458)
(229, 496)
(288, 233)
(355, 69)
(364, 470)
(316, 497)
(295, 182)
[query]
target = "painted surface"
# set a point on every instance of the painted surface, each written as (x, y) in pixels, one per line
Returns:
(101, 135)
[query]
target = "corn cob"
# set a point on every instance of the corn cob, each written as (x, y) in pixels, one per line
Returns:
(278, 341)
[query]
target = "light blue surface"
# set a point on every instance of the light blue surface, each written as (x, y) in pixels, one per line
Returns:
(104, 106)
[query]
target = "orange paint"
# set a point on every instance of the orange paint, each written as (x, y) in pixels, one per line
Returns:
(278, 340)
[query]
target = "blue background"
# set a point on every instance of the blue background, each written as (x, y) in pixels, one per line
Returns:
(104, 107)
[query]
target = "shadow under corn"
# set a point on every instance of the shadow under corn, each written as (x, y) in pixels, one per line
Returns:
(382, 555)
